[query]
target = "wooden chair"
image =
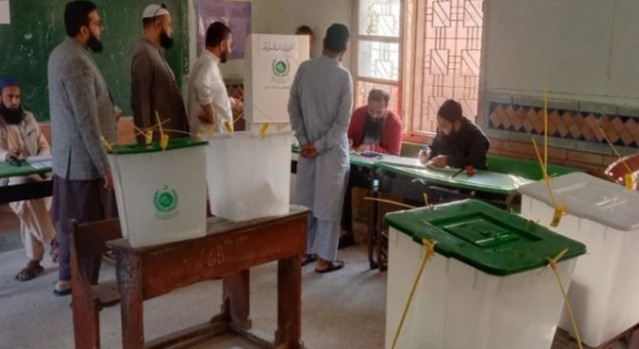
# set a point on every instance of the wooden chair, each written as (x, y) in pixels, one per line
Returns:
(89, 240)
(617, 170)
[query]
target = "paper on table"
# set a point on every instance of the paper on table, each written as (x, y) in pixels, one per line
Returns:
(442, 169)
(37, 158)
(41, 164)
(5, 15)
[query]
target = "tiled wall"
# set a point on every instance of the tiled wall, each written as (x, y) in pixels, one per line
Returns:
(567, 124)
(574, 128)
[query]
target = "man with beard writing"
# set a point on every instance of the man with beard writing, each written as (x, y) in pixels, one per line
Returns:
(20, 137)
(154, 90)
(459, 142)
(81, 114)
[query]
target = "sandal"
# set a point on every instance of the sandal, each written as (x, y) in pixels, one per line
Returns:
(309, 258)
(32, 270)
(332, 266)
(62, 292)
(109, 255)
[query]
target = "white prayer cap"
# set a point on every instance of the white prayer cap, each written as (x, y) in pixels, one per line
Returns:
(155, 10)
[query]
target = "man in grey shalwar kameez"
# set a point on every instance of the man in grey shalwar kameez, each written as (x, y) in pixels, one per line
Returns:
(320, 109)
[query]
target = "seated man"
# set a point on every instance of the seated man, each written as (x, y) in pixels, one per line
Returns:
(374, 127)
(20, 137)
(458, 143)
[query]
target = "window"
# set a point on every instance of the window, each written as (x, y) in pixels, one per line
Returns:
(378, 51)
(447, 50)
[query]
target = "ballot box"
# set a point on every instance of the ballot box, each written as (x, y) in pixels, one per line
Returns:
(488, 285)
(160, 192)
(605, 217)
(248, 174)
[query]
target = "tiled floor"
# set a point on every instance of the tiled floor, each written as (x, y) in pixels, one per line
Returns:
(10, 240)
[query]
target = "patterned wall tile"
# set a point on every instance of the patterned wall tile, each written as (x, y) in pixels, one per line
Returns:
(588, 125)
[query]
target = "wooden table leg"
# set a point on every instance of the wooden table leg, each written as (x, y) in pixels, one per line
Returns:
(379, 226)
(236, 299)
(373, 208)
(289, 303)
(129, 274)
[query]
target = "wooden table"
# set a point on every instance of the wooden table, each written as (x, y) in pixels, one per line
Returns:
(499, 189)
(26, 191)
(228, 250)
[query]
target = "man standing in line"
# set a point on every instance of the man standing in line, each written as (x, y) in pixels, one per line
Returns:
(81, 114)
(154, 90)
(320, 109)
(210, 107)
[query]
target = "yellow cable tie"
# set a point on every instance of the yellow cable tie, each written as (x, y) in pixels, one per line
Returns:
(106, 144)
(630, 181)
(629, 177)
(552, 263)
(228, 126)
(137, 130)
(264, 129)
(157, 117)
(397, 203)
(557, 257)
(149, 136)
(560, 211)
(164, 142)
(429, 248)
(430, 252)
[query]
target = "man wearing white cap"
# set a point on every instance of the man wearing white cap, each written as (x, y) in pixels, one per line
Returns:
(154, 90)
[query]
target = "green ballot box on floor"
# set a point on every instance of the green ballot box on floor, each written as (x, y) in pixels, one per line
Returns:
(487, 285)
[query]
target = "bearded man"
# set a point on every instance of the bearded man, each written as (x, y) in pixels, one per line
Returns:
(82, 114)
(20, 137)
(154, 90)
(210, 107)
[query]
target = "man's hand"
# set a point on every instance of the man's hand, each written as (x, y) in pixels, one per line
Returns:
(10, 153)
(117, 112)
(207, 120)
(366, 147)
(439, 161)
(209, 116)
(423, 156)
(108, 181)
(309, 151)
(237, 105)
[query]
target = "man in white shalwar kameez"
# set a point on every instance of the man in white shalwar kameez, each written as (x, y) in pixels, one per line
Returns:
(320, 108)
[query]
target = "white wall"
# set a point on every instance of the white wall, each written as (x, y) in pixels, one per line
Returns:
(283, 17)
(585, 50)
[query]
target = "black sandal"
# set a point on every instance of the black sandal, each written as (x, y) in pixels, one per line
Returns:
(332, 266)
(29, 272)
(309, 258)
